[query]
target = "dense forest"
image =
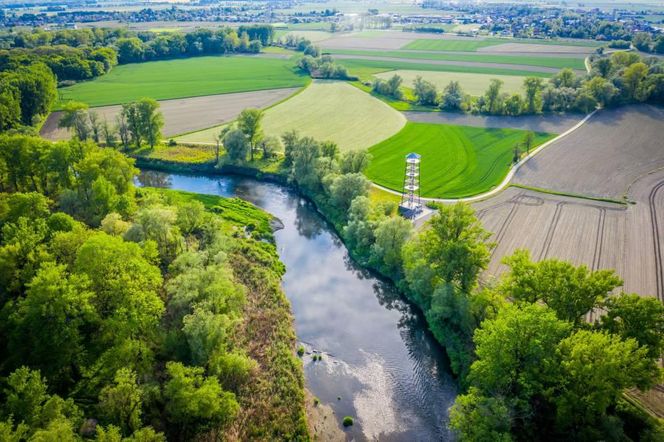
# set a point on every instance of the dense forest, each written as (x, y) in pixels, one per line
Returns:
(136, 314)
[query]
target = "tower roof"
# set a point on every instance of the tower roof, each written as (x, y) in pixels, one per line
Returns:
(413, 156)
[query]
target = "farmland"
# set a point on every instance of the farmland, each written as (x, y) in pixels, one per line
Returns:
(473, 44)
(471, 83)
(626, 141)
(327, 110)
(457, 161)
(628, 238)
(508, 59)
(183, 78)
(186, 114)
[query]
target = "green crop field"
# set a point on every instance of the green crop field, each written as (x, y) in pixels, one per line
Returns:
(457, 161)
(474, 44)
(520, 61)
(182, 78)
(473, 84)
(327, 110)
(365, 69)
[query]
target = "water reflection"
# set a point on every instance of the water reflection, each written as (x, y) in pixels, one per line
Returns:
(381, 365)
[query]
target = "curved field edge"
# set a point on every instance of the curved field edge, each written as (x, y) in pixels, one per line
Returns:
(457, 161)
(185, 78)
(327, 111)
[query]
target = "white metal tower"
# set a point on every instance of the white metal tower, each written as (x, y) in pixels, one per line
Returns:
(410, 197)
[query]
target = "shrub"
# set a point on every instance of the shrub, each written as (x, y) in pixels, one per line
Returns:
(348, 421)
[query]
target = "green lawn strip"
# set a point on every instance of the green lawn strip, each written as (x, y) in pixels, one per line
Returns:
(400, 105)
(549, 62)
(365, 69)
(197, 154)
(569, 194)
(475, 44)
(457, 161)
(182, 78)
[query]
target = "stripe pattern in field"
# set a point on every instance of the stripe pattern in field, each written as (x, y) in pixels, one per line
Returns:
(457, 161)
(185, 114)
(628, 239)
(327, 111)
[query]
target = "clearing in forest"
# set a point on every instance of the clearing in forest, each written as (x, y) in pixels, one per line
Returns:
(327, 110)
(471, 83)
(457, 161)
(182, 78)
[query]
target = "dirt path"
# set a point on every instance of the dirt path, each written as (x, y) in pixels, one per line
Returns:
(555, 124)
(186, 114)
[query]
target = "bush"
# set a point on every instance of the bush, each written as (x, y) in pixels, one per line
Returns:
(348, 421)
(300, 350)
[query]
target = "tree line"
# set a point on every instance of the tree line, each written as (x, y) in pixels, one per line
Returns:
(312, 62)
(137, 122)
(622, 78)
(123, 310)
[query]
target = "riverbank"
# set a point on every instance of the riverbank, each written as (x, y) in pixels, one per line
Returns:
(374, 344)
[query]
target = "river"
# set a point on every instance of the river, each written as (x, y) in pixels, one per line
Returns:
(380, 364)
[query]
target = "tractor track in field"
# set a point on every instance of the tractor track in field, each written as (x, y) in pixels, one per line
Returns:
(654, 223)
(551, 230)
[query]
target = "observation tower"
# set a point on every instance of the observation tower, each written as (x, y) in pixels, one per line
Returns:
(411, 203)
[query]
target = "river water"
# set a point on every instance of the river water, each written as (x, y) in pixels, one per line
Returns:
(380, 365)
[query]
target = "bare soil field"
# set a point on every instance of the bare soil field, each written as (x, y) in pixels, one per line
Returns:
(535, 49)
(597, 234)
(555, 124)
(186, 114)
(517, 67)
(604, 156)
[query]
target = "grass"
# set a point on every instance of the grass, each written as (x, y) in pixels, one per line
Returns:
(473, 84)
(474, 44)
(549, 62)
(182, 78)
(457, 161)
(181, 154)
(327, 110)
(366, 69)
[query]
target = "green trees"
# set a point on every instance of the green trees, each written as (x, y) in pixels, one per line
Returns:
(452, 97)
(425, 92)
(195, 401)
(144, 121)
(390, 87)
(533, 100)
(569, 291)
(541, 369)
(75, 116)
(441, 266)
(27, 95)
(249, 122)
(493, 98)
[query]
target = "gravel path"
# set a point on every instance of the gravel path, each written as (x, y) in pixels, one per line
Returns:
(555, 124)
(186, 114)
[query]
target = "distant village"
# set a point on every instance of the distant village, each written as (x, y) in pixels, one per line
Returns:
(516, 20)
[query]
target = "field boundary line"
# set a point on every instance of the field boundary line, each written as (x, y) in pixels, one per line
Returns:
(508, 177)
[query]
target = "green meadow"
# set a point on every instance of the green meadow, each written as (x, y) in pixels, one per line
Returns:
(474, 44)
(183, 78)
(520, 61)
(457, 161)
